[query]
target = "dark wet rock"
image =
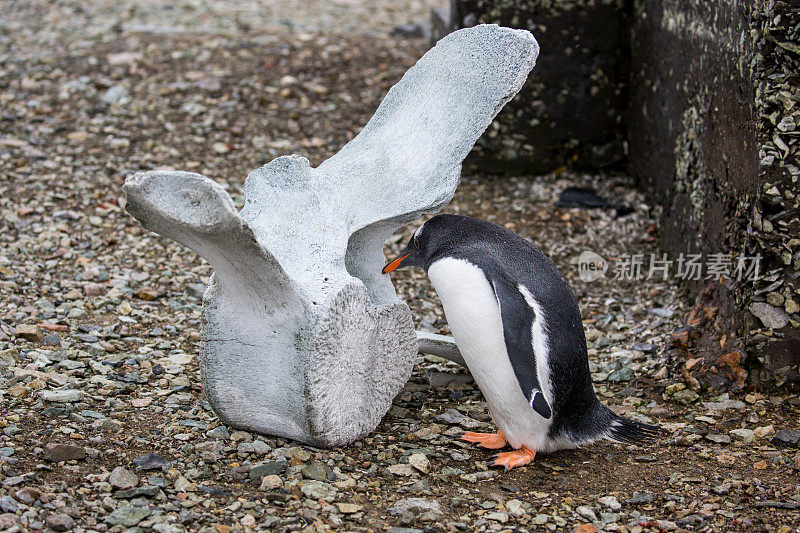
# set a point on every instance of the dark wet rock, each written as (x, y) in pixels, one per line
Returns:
(219, 432)
(192, 424)
(51, 339)
(582, 197)
(787, 438)
(150, 461)
(446, 379)
(691, 520)
(646, 347)
(510, 488)
(148, 491)
(267, 469)
(213, 490)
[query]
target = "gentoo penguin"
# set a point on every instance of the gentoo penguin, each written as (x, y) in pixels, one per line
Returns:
(518, 327)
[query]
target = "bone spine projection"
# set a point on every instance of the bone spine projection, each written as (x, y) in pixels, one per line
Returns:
(303, 337)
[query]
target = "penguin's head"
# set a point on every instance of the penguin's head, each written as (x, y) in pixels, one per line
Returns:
(413, 254)
(428, 242)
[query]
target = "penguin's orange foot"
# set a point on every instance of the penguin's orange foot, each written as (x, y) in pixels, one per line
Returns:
(520, 457)
(492, 441)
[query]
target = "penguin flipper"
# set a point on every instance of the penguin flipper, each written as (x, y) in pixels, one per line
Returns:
(518, 317)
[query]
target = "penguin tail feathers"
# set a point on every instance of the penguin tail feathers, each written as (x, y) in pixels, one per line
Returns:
(628, 431)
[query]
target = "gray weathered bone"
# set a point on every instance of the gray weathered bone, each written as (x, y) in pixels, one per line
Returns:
(303, 337)
(443, 346)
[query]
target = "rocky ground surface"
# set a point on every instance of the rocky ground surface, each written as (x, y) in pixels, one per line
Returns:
(104, 425)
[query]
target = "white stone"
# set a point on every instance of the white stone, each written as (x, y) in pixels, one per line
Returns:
(515, 507)
(586, 512)
(415, 504)
(611, 502)
(419, 461)
(61, 396)
(304, 337)
(319, 490)
(401, 469)
(743, 435)
(115, 95)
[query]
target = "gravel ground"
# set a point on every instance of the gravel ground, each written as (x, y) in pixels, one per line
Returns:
(104, 426)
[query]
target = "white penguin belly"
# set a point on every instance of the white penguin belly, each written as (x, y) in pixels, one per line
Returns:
(474, 317)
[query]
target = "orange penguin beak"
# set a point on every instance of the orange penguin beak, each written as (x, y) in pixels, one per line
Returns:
(394, 264)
